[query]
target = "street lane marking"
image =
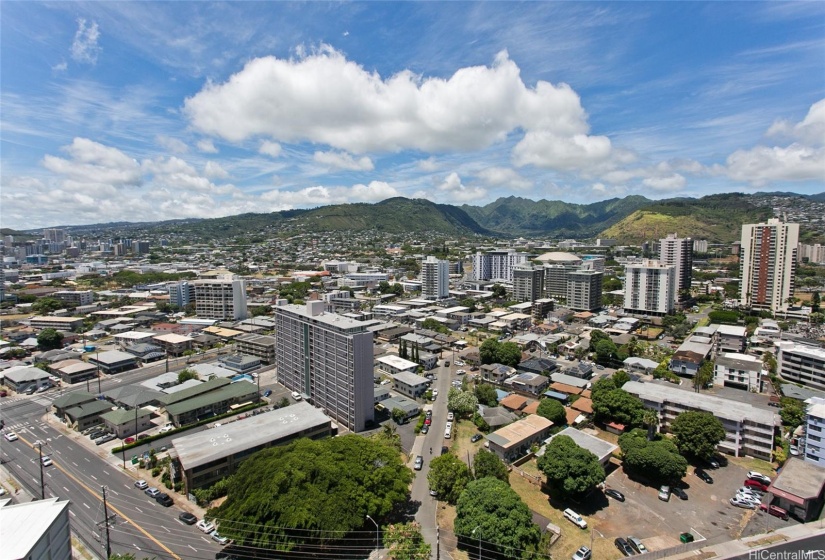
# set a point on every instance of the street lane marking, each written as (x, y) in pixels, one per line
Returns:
(75, 464)
(86, 505)
(72, 513)
(113, 508)
(140, 510)
(192, 547)
(69, 447)
(66, 489)
(104, 472)
(93, 476)
(165, 529)
(87, 459)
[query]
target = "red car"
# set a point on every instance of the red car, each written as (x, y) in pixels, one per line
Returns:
(750, 483)
(129, 440)
(428, 421)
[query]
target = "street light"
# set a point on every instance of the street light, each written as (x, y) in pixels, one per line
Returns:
(376, 532)
(592, 532)
(479, 540)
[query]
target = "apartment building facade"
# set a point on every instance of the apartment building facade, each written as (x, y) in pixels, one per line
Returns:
(496, 265)
(814, 450)
(749, 431)
(77, 297)
(650, 288)
(222, 299)
(528, 282)
(740, 371)
(258, 345)
(801, 363)
(678, 252)
(435, 278)
(328, 358)
(584, 290)
(767, 262)
(181, 293)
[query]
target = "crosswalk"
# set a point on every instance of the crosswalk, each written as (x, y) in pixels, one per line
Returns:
(43, 398)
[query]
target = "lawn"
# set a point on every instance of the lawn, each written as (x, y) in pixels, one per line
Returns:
(753, 464)
(460, 445)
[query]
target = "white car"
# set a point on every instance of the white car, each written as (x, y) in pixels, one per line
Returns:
(10, 436)
(46, 460)
(435, 393)
(141, 484)
(742, 503)
(205, 526)
(167, 428)
(460, 372)
(575, 518)
(296, 395)
(220, 539)
(583, 553)
(459, 363)
(450, 416)
(764, 479)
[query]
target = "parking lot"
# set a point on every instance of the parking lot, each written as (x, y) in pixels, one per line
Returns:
(706, 513)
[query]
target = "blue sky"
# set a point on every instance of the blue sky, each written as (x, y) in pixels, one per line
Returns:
(148, 111)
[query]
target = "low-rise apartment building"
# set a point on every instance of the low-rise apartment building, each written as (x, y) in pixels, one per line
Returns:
(58, 323)
(814, 450)
(257, 345)
(514, 440)
(749, 430)
(801, 364)
(410, 384)
(740, 371)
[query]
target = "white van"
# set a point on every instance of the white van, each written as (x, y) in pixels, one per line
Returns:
(447, 433)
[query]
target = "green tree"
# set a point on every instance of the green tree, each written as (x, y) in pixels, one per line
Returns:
(433, 325)
(402, 350)
(187, 374)
(462, 403)
(572, 471)
(697, 433)
(398, 415)
(499, 291)
(46, 305)
(321, 488)
(606, 352)
(486, 394)
(489, 351)
(50, 339)
(618, 405)
(792, 412)
(597, 336)
(815, 302)
(448, 476)
(620, 378)
(509, 354)
(404, 541)
(769, 362)
(487, 463)
(553, 410)
(501, 520)
(657, 461)
(704, 376)
(603, 385)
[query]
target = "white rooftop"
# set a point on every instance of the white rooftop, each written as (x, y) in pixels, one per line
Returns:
(23, 525)
(397, 362)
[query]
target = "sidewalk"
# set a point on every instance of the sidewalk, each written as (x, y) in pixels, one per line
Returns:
(744, 546)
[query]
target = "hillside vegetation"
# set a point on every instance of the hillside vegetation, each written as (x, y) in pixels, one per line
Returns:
(717, 218)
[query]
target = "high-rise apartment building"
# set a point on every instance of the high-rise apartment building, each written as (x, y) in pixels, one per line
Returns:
(767, 264)
(496, 265)
(328, 358)
(678, 252)
(181, 293)
(584, 290)
(528, 282)
(223, 299)
(435, 278)
(650, 288)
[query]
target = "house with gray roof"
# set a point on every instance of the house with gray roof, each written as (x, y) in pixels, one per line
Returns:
(598, 447)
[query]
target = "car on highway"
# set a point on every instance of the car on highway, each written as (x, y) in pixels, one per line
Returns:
(46, 460)
(583, 553)
(703, 475)
(475, 438)
(615, 494)
(141, 484)
(164, 499)
(152, 492)
(623, 546)
(419, 463)
(575, 518)
(10, 436)
(218, 538)
(681, 494)
(764, 479)
(636, 545)
(205, 526)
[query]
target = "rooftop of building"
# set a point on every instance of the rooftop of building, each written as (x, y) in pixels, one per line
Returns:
(23, 525)
(238, 389)
(799, 479)
(397, 362)
(594, 445)
(517, 432)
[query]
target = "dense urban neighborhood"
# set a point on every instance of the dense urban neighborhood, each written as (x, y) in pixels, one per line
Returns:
(354, 395)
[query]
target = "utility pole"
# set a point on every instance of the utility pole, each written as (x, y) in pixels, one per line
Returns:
(42, 486)
(106, 522)
(97, 359)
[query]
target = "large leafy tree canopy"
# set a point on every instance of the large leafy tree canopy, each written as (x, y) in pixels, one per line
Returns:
(486, 463)
(50, 339)
(697, 433)
(617, 405)
(658, 461)
(553, 410)
(486, 394)
(320, 488)
(462, 403)
(570, 470)
(494, 352)
(448, 476)
(502, 522)
(433, 325)
(405, 542)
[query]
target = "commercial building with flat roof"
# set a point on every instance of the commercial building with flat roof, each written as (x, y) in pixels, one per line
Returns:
(34, 530)
(748, 430)
(59, 323)
(799, 489)
(113, 361)
(73, 370)
(214, 454)
(514, 440)
(328, 358)
(395, 364)
(257, 345)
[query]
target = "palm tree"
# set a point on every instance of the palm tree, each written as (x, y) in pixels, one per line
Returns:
(650, 418)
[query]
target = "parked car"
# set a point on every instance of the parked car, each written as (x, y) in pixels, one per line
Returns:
(703, 475)
(10, 436)
(152, 492)
(615, 494)
(129, 440)
(428, 421)
(444, 450)
(428, 414)
(218, 538)
(623, 546)
(758, 485)
(419, 463)
(575, 518)
(205, 526)
(425, 428)
(685, 538)
(775, 511)
(450, 417)
(267, 392)
(475, 438)
(433, 493)
(751, 491)
(748, 498)
(637, 545)
(664, 493)
(764, 479)
(681, 494)
(583, 553)
(742, 503)
(104, 439)
(164, 499)
(167, 428)
(296, 395)
(460, 372)
(435, 393)
(142, 436)
(141, 484)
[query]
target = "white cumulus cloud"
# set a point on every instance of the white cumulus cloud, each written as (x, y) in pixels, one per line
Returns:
(452, 190)
(92, 163)
(207, 146)
(504, 177)
(172, 144)
(322, 97)
(84, 47)
(215, 171)
(811, 130)
(672, 182)
(320, 195)
(271, 149)
(343, 160)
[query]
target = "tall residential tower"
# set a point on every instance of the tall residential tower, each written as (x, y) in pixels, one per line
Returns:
(768, 264)
(678, 252)
(435, 278)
